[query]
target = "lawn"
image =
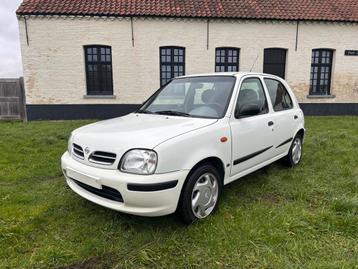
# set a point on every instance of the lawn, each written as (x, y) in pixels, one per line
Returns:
(306, 217)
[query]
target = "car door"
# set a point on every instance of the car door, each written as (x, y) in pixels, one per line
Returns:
(284, 115)
(251, 127)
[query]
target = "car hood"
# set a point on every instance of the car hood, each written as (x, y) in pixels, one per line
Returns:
(135, 131)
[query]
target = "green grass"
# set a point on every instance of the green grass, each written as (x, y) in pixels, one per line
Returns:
(306, 217)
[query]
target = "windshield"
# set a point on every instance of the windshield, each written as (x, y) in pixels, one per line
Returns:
(206, 97)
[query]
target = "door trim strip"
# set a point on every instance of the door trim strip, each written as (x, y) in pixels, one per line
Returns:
(285, 142)
(252, 155)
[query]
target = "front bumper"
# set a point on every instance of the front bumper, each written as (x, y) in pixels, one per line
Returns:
(140, 200)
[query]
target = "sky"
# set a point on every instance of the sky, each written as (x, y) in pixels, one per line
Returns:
(10, 55)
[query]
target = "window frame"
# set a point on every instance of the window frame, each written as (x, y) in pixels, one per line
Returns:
(99, 65)
(238, 95)
(319, 66)
(268, 92)
(226, 63)
(172, 63)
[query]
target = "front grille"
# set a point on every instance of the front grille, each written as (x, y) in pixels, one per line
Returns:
(102, 157)
(105, 192)
(78, 151)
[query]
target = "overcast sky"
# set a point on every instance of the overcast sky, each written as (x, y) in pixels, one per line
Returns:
(10, 56)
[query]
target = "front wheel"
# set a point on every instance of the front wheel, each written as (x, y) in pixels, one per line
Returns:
(200, 195)
(295, 153)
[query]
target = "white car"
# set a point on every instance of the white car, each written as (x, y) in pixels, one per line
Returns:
(193, 136)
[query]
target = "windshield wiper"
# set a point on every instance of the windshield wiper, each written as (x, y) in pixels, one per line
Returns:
(144, 111)
(172, 113)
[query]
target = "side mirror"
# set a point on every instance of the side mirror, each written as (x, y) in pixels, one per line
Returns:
(248, 110)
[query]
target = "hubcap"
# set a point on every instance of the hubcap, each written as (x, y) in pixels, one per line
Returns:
(205, 195)
(296, 150)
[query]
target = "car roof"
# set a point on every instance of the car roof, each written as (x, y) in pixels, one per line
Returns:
(236, 74)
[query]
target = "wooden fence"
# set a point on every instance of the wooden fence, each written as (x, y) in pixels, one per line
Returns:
(12, 99)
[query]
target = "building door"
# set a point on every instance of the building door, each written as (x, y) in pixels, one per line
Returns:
(275, 61)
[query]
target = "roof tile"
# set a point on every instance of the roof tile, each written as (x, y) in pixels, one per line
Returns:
(321, 10)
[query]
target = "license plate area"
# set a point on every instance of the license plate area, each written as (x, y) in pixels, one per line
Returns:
(84, 178)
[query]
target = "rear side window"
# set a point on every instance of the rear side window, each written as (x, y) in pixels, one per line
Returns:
(279, 95)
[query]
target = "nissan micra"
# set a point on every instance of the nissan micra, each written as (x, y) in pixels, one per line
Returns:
(189, 139)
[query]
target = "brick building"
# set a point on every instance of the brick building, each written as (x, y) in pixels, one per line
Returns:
(98, 59)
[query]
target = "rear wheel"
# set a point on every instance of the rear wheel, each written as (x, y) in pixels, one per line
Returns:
(200, 195)
(295, 152)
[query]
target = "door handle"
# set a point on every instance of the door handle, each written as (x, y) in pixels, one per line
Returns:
(270, 123)
(295, 117)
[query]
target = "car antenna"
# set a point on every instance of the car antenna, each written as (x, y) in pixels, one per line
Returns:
(254, 63)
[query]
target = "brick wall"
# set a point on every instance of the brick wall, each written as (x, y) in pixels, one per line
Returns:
(54, 67)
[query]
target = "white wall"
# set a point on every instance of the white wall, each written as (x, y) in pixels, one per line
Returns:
(54, 67)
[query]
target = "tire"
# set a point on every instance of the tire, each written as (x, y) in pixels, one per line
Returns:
(200, 195)
(294, 155)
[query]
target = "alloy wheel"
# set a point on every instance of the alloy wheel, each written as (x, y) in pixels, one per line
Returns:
(296, 150)
(204, 195)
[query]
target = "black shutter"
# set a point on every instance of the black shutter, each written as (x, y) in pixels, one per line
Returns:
(275, 62)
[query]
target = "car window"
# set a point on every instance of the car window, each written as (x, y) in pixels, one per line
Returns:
(172, 96)
(252, 100)
(206, 97)
(279, 96)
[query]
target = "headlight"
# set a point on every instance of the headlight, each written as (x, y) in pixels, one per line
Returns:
(139, 161)
(69, 144)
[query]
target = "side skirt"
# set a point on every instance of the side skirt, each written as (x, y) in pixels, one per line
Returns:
(253, 169)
